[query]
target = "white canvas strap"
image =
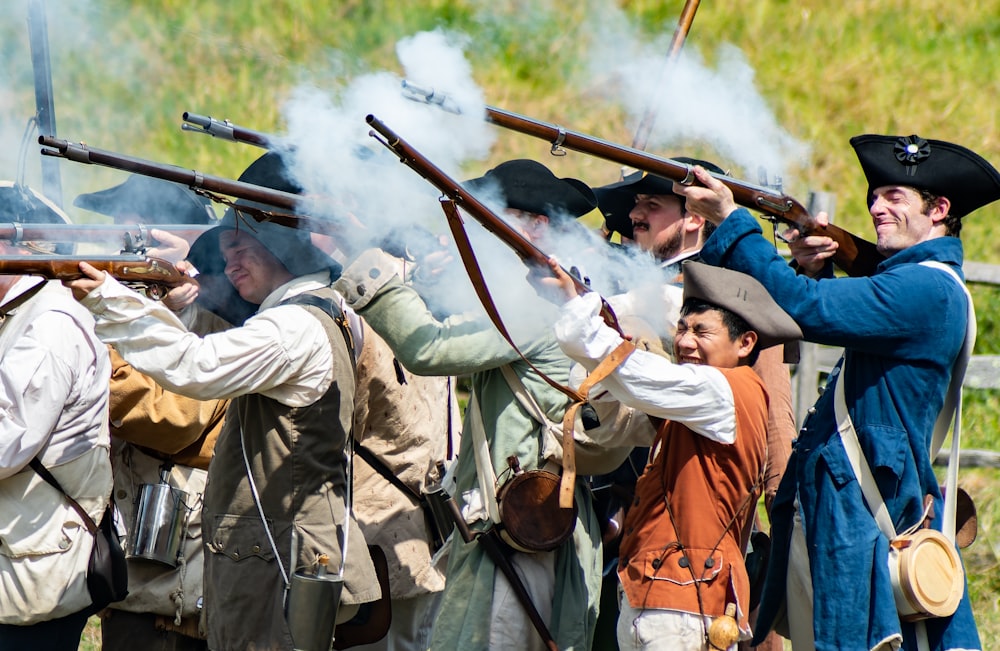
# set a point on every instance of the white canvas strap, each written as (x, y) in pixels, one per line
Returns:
(485, 474)
(953, 408)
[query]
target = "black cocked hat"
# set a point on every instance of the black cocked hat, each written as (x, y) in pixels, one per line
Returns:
(530, 186)
(293, 247)
(22, 204)
(617, 199)
(154, 200)
(942, 168)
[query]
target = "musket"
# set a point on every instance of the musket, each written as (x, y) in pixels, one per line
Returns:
(133, 235)
(676, 43)
(855, 255)
(226, 130)
(196, 180)
(45, 110)
(154, 275)
(479, 211)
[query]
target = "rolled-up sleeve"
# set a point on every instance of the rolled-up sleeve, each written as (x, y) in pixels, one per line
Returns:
(698, 396)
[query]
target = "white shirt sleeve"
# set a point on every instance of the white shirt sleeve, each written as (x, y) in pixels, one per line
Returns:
(281, 352)
(697, 396)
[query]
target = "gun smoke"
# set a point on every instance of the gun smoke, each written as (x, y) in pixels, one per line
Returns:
(332, 156)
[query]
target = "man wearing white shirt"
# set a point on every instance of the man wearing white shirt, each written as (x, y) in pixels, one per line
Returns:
(53, 407)
(279, 462)
(681, 562)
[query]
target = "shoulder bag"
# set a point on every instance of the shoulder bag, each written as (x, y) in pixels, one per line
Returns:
(107, 572)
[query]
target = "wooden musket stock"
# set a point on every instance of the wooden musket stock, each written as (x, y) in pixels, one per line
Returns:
(479, 211)
(856, 256)
(154, 274)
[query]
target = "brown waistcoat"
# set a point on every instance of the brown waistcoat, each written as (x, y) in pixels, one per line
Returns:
(297, 457)
(711, 488)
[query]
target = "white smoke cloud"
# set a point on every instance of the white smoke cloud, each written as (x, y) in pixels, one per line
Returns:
(693, 102)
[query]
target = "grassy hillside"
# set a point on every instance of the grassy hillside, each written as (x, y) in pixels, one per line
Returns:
(125, 71)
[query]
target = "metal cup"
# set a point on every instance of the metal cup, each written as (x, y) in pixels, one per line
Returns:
(158, 526)
(311, 611)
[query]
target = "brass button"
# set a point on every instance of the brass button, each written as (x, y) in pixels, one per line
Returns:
(121, 494)
(256, 549)
(236, 555)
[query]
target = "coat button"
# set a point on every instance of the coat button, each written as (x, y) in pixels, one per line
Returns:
(256, 549)
(811, 411)
(709, 562)
(360, 289)
(236, 556)
(121, 494)
(656, 563)
(683, 562)
(374, 273)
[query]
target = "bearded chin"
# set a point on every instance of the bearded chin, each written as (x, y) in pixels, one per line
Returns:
(671, 247)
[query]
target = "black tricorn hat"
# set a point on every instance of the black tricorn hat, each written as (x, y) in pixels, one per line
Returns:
(19, 203)
(154, 200)
(939, 167)
(617, 199)
(22, 204)
(292, 246)
(530, 186)
(744, 296)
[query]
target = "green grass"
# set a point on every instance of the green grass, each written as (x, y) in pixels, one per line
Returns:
(125, 71)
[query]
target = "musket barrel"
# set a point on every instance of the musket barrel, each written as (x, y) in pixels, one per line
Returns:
(20, 232)
(291, 202)
(84, 154)
(226, 130)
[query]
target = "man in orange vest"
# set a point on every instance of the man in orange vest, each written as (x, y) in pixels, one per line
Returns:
(681, 562)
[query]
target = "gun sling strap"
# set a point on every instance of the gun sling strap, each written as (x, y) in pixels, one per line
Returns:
(578, 397)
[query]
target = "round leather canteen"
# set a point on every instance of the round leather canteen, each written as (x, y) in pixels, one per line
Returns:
(530, 514)
(927, 575)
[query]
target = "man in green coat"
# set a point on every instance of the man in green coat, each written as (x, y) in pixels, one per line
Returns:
(478, 610)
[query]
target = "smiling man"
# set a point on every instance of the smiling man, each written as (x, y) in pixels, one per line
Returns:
(902, 329)
(681, 560)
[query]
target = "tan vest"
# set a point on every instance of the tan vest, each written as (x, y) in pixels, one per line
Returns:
(712, 488)
(297, 459)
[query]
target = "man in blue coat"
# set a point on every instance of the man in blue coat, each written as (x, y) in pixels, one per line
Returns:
(902, 328)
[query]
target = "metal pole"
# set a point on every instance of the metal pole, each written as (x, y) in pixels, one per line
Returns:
(44, 105)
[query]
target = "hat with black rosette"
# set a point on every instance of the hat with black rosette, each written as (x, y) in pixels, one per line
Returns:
(948, 170)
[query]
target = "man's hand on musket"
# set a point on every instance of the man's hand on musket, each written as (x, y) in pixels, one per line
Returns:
(184, 294)
(169, 247)
(557, 287)
(709, 197)
(91, 280)
(811, 252)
